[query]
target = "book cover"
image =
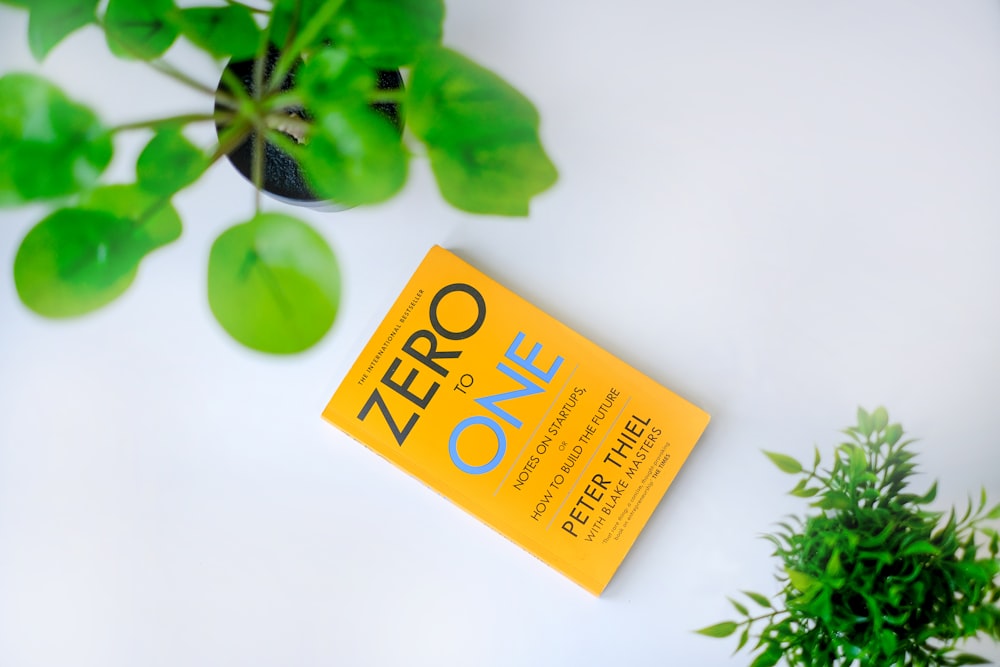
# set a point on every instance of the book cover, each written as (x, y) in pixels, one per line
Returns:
(524, 423)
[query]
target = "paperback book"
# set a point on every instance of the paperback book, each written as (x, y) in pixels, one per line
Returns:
(538, 432)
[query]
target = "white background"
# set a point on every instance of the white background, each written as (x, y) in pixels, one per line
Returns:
(781, 210)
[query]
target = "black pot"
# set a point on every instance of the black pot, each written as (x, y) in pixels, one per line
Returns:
(283, 178)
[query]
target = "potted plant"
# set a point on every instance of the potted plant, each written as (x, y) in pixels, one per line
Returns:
(872, 577)
(313, 84)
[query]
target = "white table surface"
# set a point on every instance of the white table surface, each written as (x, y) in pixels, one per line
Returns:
(781, 210)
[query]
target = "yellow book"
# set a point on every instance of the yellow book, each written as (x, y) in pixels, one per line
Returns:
(519, 420)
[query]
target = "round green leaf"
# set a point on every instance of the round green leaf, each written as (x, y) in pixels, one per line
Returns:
(333, 78)
(273, 284)
(75, 261)
(453, 100)
(141, 29)
(481, 134)
(155, 221)
(224, 32)
(488, 181)
(52, 20)
(288, 17)
(49, 146)
(352, 156)
(390, 33)
(169, 163)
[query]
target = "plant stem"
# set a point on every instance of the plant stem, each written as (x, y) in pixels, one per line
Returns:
(258, 165)
(152, 209)
(260, 126)
(770, 614)
(397, 96)
(172, 72)
(230, 138)
(182, 119)
(293, 26)
(281, 100)
(235, 87)
(309, 33)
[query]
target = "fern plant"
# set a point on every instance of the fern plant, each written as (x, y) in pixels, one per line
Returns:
(873, 577)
